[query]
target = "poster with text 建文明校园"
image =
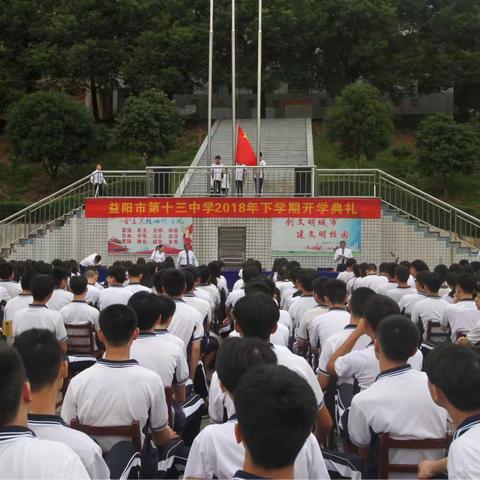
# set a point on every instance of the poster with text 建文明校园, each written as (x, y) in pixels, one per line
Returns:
(315, 236)
(140, 236)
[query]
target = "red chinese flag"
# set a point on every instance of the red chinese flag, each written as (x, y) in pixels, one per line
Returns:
(245, 154)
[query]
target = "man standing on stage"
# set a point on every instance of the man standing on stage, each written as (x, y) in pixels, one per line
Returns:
(186, 258)
(341, 255)
(98, 181)
(217, 172)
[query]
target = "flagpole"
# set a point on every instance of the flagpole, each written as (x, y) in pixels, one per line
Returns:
(259, 78)
(210, 86)
(234, 88)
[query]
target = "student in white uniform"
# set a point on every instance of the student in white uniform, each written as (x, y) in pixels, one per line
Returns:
(46, 371)
(333, 321)
(342, 254)
(259, 176)
(390, 268)
(79, 312)
(186, 258)
(22, 300)
(93, 292)
(403, 288)
(249, 274)
(283, 282)
(22, 454)
(158, 255)
(134, 278)
(407, 302)
(305, 301)
(187, 322)
(217, 171)
(116, 293)
(347, 274)
(60, 296)
(225, 183)
(38, 315)
(206, 284)
(189, 297)
(369, 277)
(463, 316)
(399, 402)
(117, 390)
(430, 309)
(215, 453)
(380, 281)
(257, 316)
(459, 395)
(362, 365)
(92, 260)
(240, 174)
(7, 281)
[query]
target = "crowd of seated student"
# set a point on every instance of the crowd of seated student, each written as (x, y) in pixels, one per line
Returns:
(290, 357)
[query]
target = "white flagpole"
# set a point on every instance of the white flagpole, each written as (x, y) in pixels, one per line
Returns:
(259, 79)
(210, 86)
(234, 88)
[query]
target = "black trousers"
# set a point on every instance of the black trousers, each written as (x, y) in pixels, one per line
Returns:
(217, 187)
(98, 189)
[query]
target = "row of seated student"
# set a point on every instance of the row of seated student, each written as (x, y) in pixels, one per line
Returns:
(345, 349)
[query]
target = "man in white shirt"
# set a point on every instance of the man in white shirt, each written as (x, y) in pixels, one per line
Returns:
(259, 176)
(93, 292)
(342, 254)
(46, 371)
(22, 454)
(407, 302)
(463, 316)
(186, 258)
(38, 315)
(98, 181)
(158, 255)
(348, 273)
(117, 390)
(215, 453)
(240, 173)
(7, 281)
(60, 296)
(134, 278)
(459, 395)
(92, 260)
(217, 172)
(399, 402)
(403, 288)
(116, 293)
(22, 300)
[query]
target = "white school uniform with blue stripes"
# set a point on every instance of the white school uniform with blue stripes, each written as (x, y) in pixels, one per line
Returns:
(464, 452)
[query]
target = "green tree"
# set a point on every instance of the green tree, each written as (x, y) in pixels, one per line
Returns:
(361, 122)
(148, 123)
(446, 148)
(51, 129)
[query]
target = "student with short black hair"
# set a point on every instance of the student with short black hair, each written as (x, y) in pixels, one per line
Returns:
(389, 272)
(378, 283)
(215, 453)
(46, 370)
(418, 266)
(401, 277)
(362, 365)
(407, 302)
(60, 296)
(454, 380)
(7, 280)
(135, 276)
(116, 293)
(398, 402)
(304, 302)
(93, 288)
(203, 306)
(22, 300)
(22, 454)
(249, 273)
(207, 285)
(37, 315)
(348, 273)
(276, 407)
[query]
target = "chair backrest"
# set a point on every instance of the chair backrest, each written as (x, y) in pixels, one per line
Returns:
(387, 443)
(80, 338)
(128, 431)
(7, 329)
(433, 333)
(169, 399)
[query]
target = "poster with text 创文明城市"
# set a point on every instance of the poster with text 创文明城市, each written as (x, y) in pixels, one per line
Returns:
(315, 236)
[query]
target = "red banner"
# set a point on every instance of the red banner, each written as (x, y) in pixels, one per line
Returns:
(207, 207)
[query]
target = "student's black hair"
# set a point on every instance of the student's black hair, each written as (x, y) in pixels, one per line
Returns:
(421, 277)
(57, 263)
(256, 315)
(405, 263)
(363, 269)
(464, 262)
(371, 267)
(141, 262)
(41, 287)
(134, 271)
(173, 282)
(118, 273)
(257, 286)
(78, 284)
(455, 268)
(292, 265)
(27, 276)
(117, 323)
(73, 267)
(402, 273)
(157, 280)
(238, 355)
(43, 268)
(335, 291)
(390, 269)
(189, 280)
(433, 282)
(455, 370)
(98, 258)
(166, 307)
(358, 299)
(318, 286)
(420, 266)
(249, 272)
(169, 263)
(59, 274)
(294, 273)
(383, 267)
(276, 411)
(475, 266)
(193, 270)
(41, 355)
(467, 282)
(441, 270)
(147, 308)
(350, 262)
(6, 271)
(399, 338)
(377, 307)
(203, 273)
(305, 278)
(12, 380)
(283, 273)
(357, 270)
